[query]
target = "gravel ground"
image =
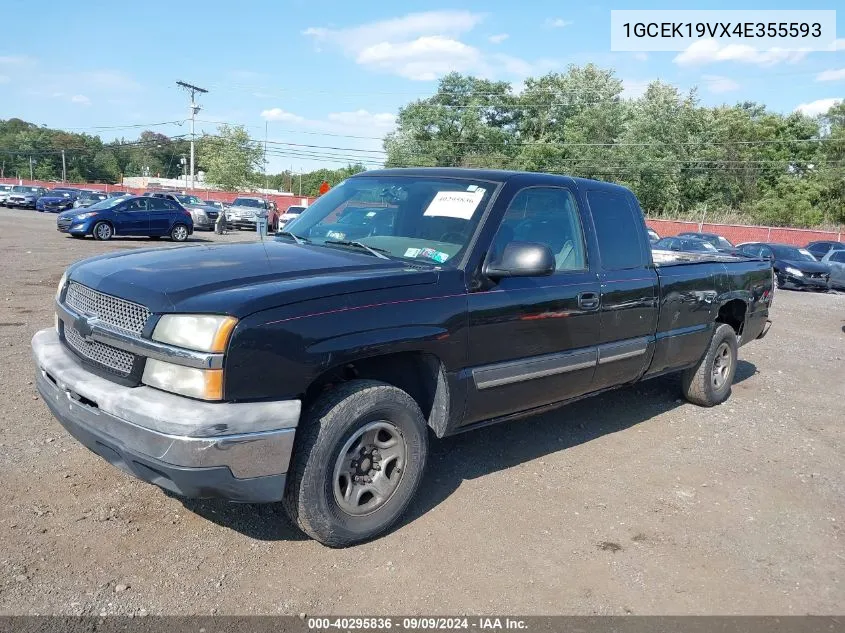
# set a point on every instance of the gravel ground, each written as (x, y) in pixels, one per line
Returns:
(630, 502)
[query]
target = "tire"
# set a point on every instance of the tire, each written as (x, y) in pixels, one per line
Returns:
(701, 385)
(102, 231)
(179, 233)
(315, 485)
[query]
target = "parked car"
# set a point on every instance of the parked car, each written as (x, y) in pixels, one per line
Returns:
(57, 200)
(652, 235)
(315, 371)
(353, 223)
(686, 244)
(130, 215)
(835, 260)
(794, 267)
(117, 194)
(87, 198)
(216, 204)
(721, 244)
(246, 212)
(24, 196)
(204, 216)
(822, 248)
(290, 213)
(5, 190)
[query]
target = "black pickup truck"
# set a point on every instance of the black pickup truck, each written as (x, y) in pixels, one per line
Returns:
(312, 368)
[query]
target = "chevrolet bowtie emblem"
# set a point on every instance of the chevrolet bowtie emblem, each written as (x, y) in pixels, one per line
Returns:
(85, 326)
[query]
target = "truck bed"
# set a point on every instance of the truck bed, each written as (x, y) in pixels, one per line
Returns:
(664, 258)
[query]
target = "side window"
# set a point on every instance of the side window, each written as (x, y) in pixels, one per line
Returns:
(134, 206)
(838, 256)
(618, 229)
(169, 205)
(546, 215)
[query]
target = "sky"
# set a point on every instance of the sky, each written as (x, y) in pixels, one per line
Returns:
(324, 80)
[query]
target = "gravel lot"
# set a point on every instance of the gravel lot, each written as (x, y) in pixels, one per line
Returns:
(630, 502)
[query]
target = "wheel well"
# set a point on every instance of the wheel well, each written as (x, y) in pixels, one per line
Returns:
(419, 374)
(733, 313)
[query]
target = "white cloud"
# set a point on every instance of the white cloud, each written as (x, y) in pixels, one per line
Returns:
(557, 23)
(16, 60)
(708, 51)
(838, 45)
(831, 75)
(423, 59)
(498, 38)
(420, 46)
(640, 56)
(277, 114)
(80, 99)
(820, 106)
(107, 80)
(717, 84)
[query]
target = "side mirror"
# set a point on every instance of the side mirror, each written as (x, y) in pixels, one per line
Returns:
(522, 259)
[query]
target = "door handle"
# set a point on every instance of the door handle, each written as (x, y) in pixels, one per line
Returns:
(588, 300)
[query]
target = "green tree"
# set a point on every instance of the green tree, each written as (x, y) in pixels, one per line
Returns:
(231, 160)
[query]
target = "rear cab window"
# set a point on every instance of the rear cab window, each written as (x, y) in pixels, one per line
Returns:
(616, 220)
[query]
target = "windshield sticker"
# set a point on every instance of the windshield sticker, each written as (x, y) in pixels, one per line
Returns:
(432, 254)
(371, 214)
(472, 187)
(413, 252)
(455, 204)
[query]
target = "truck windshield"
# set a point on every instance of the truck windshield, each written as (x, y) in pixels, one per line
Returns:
(421, 218)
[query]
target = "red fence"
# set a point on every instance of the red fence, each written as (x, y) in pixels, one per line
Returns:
(282, 202)
(738, 233)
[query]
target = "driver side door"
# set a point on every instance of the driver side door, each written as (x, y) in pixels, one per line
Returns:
(533, 340)
(133, 217)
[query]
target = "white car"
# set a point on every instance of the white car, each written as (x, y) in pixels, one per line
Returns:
(292, 212)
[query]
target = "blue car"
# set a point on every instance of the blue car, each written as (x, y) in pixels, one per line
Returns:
(57, 200)
(129, 215)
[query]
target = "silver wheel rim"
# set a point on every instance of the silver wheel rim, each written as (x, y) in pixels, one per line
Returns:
(722, 363)
(369, 468)
(103, 231)
(180, 233)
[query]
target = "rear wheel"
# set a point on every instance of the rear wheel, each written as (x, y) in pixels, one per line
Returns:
(709, 383)
(103, 231)
(179, 233)
(358, 460)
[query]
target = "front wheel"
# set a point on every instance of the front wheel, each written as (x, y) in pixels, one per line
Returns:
(358, 460)
(179, 233)
(709, 382)
(103, 231)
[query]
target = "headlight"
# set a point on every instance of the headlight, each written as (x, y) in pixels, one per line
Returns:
(794, 272)
(61, 287)
(76, 203)
(200, 213)
(206, 384)
(85, 216)
(200, 332)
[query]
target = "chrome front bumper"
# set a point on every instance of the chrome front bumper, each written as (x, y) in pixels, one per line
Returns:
(238, 451)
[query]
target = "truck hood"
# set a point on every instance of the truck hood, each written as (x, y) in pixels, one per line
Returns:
(240, 279)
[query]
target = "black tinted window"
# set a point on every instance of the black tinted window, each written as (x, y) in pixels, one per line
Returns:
(619, 230)
(837, 256)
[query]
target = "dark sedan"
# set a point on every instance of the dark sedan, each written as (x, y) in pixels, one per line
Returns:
(794, 267)
(130, 215)
(88, 198)
(721, 244)
(821, 248)
(684, 244)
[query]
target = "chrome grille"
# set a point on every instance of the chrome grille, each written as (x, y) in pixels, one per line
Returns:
(106, 356)
(119, 313)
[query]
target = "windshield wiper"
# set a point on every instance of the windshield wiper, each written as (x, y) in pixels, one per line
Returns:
(296, 238)
(378, 252)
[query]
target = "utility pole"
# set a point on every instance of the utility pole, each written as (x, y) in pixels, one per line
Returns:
(31, 176)
(194, 110)
(266, 175)
(64, 168)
